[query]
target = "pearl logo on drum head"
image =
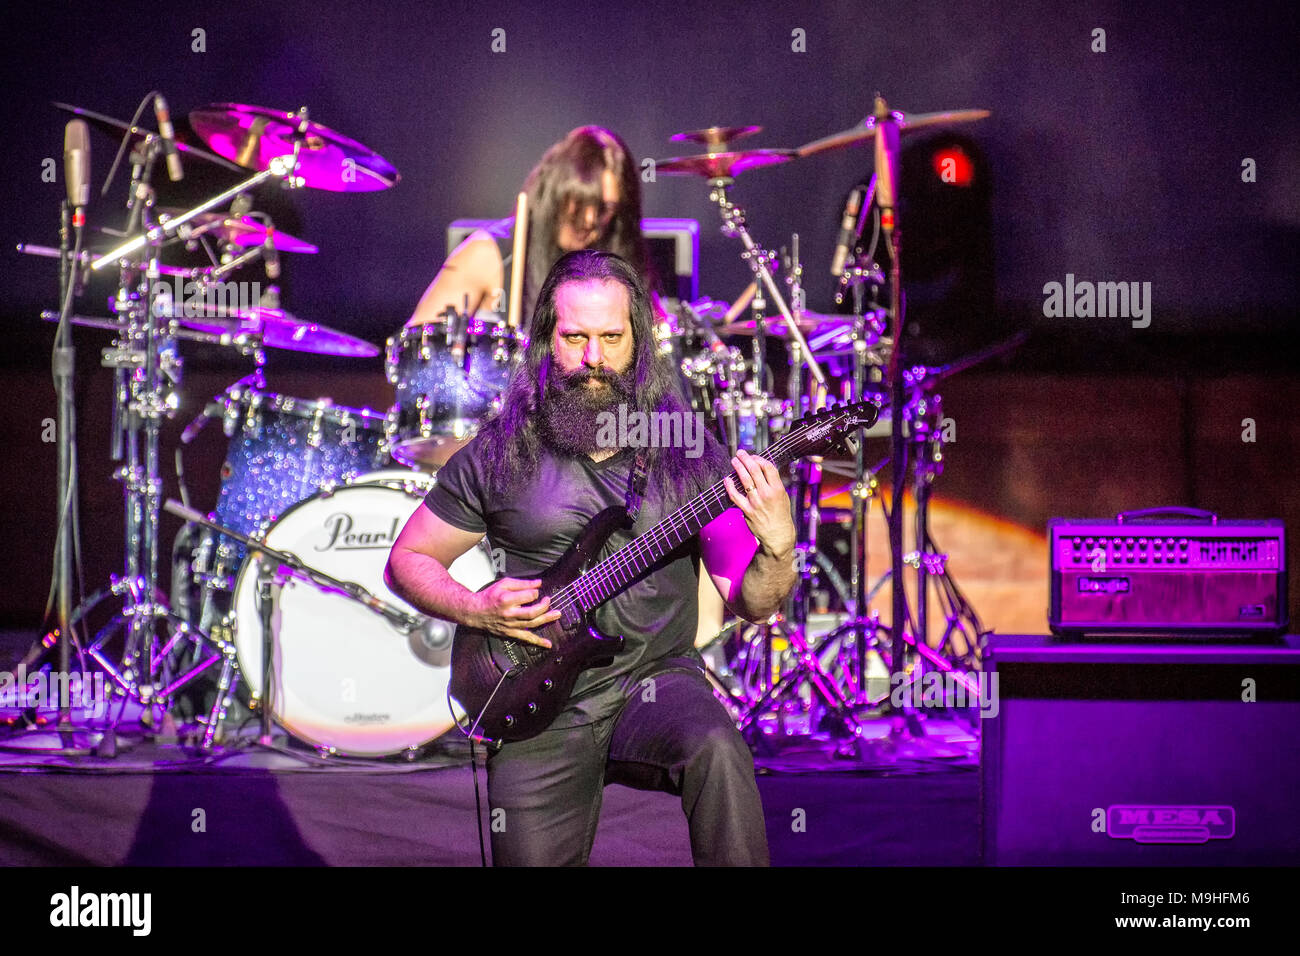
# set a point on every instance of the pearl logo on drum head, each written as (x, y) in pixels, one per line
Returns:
(339, 529)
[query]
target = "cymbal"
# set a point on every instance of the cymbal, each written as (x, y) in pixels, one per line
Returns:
(715, 136)
(906, 122)
(115, 127)
(252, 136)
(723, 165)
(808, 322)
(247, 231)
(277, 328)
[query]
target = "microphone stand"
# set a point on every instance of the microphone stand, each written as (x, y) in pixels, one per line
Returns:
(266, 612)
(64, 388)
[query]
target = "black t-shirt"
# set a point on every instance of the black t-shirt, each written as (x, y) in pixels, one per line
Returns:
(536, 523)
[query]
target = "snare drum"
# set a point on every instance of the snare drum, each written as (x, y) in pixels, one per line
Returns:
(346, 678)
(450, 376)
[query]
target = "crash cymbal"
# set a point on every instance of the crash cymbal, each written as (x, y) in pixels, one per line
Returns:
(252, 136)
(277, 329)
(906, 122)
(115, 128)
(248, 231)
(723, 165)
(715, 136)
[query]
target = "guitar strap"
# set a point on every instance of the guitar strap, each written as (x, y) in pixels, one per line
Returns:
(636, 481)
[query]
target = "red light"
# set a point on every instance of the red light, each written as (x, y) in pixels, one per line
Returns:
(953, 166)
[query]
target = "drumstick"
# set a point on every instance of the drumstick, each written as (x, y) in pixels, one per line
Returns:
(740, 304)
(517, 262)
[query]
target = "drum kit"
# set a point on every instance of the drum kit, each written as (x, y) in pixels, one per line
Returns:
(280, 589)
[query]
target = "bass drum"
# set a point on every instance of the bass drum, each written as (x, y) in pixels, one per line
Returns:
(345, 678)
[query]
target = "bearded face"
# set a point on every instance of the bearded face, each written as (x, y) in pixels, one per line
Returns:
(573, 404)
(591, 365)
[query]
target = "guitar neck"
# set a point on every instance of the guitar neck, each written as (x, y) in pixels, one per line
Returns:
(616, 572)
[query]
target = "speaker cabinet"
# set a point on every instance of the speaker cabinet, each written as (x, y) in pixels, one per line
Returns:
(1140, 754)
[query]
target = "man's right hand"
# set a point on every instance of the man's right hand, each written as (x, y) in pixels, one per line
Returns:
(510, 608)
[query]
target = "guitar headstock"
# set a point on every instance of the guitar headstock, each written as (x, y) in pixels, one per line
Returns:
(822, 432)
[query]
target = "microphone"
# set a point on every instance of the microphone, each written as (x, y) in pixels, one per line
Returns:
(210, 411)
(848, 236)
(174, 172)
(76, 163)
(271, 256)
(886, 164)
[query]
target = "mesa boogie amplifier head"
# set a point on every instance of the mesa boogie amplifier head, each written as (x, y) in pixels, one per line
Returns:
(1167, 571)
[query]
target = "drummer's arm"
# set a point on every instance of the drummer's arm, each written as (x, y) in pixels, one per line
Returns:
(473, 270)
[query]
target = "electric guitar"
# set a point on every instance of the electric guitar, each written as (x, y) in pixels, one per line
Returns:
(513, 690)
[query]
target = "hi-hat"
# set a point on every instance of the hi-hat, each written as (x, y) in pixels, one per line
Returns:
(723, 165)
(906, 122)
(252, 136)
(715, 136)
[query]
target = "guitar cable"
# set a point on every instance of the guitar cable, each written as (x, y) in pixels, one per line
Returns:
(473, 762)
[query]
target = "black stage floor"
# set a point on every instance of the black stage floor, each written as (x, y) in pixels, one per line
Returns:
(288, 806)
(259, 807)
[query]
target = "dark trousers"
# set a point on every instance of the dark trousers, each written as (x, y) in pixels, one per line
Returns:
(670, 735)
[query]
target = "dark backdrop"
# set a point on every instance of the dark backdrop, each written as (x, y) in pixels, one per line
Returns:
(1117, 165)
(1122, 165)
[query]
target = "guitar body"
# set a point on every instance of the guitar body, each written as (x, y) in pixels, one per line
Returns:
(541, 680)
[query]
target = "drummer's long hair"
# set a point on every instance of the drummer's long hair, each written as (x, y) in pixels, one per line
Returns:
(510, 443)
(570, 172)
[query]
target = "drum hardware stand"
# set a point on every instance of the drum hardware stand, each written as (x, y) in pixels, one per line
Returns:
(146, 372)
(760, 263)
(922, 414)
(793, 624)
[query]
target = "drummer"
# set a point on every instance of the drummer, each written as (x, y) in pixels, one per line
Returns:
(584, 194)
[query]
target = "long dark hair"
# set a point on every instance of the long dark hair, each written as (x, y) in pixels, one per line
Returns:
(510, 443)
(571, 172)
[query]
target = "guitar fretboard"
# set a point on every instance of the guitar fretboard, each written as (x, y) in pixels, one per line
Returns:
(615, 573)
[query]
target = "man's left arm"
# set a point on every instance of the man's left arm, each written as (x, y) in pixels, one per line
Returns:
(748, 550)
